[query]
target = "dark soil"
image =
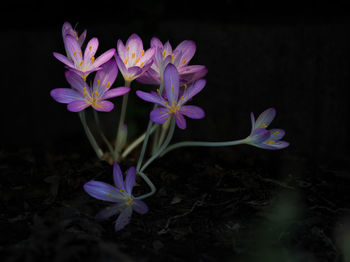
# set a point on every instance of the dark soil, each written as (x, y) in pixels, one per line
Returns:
(211, 205)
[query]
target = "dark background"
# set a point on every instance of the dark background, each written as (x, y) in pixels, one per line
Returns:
(294, 58)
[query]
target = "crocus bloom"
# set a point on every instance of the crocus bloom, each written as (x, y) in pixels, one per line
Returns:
(83, 64)
(263, 138)
(121, 195)
(132, 59)
(180, 58)
(67, 29)
(82, 95)
(173, 103)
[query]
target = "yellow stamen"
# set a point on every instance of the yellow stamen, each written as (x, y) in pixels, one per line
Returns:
(163, 53)
(166, 103)
(175, 103)
(122, 190)
(109, 194)
(182, 97)
(75, 52)
(172, 88)
(92, 59)
(84, 77)
(158, 91)
(125, 60)
(133, 55)
(271, 142)
(143, 52)
(84, 89)
(263, 125)
(185, 86)
(79, 52)
(276, 133)
(172, 56)
(184, 62)
(108, 84)
(85, 93)
(141, 65)
(137, 59)
(98, 82)
(81, 62)
(97, 94)
(127, 48)
(90, 47)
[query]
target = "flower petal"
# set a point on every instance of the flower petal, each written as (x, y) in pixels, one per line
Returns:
(114, 92)
(180, 120)
(252, 118)
(75, 81)
(150, 77)
(105, 77)
(109, 211)
(265, 118)
(123, 219)
(118, 176)
(134, 45)
(152, 97)
(77, 106)
(194, 112)
(103, 191)
(192, 73)
(65, 60)
(90, 49)
(159, 115)
(276, 134)
(187, 48)
(103, 106)
(82, 38)
(171, 83)
(140, 207)
(73, 49)
(155, 42)
(258, 136)
(192, 90)
(104, 57)
(273, 146)
(121, 66)
(130, 179)
(121, 49)
(65, 95)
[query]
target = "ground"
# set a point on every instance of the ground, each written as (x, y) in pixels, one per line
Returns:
(211, 205)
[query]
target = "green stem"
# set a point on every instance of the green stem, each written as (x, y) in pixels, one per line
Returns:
(97, 120)
(149, 183)
(207, 144)
(117, 147)
(89, 135)
(161, 149)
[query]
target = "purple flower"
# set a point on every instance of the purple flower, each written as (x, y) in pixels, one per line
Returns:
(173, 103)
(180, 58)
(68, 30)
(82, 95)
(121, 195)
(132, 59)
(263, 138)
(83, 64)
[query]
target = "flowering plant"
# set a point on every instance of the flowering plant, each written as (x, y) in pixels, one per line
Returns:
(177, 82)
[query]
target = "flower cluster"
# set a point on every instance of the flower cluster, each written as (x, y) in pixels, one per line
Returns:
(176, 81)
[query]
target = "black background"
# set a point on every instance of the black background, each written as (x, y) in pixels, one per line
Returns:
(294, 58)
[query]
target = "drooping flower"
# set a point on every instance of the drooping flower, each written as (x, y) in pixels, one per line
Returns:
(180, 58)
(132, 59)
(120, 194)
(81, 95)
(263, 138)
(67, 29)
(173, 103)
(83, 64)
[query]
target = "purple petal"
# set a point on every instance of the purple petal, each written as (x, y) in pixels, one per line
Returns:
(168, 49)
(118, 176)
(104, 57)
(155, 42)
(147, 57)
(121, 49)
(134, 72)
(276, 134)
(192, 90)
(82, 38)
(189, 74)
(258, 136)
(103, 191)
(275, 146)
(90, 49)
(123, 219)
(105, 77)
(121, 66)
(134, 45)
(194, 112)
(130, 179)
(67, 29)
(265, 118)
(187, 48)
(109, 211)
(171, 83)
(152, 97)
(65, 60)
(114, 92)
(150, 77)
(73, 49)
(159, 115)
(65, 95)
(140, 207)
(75, 81)
(103, 106)
(180, 120)
(77, 106)
(252, 118)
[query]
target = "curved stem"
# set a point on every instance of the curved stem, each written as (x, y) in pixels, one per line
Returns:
(161, 149)
(89, 135)
(136, 142)
(207, 144)
(97, 120)
(149, 183)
